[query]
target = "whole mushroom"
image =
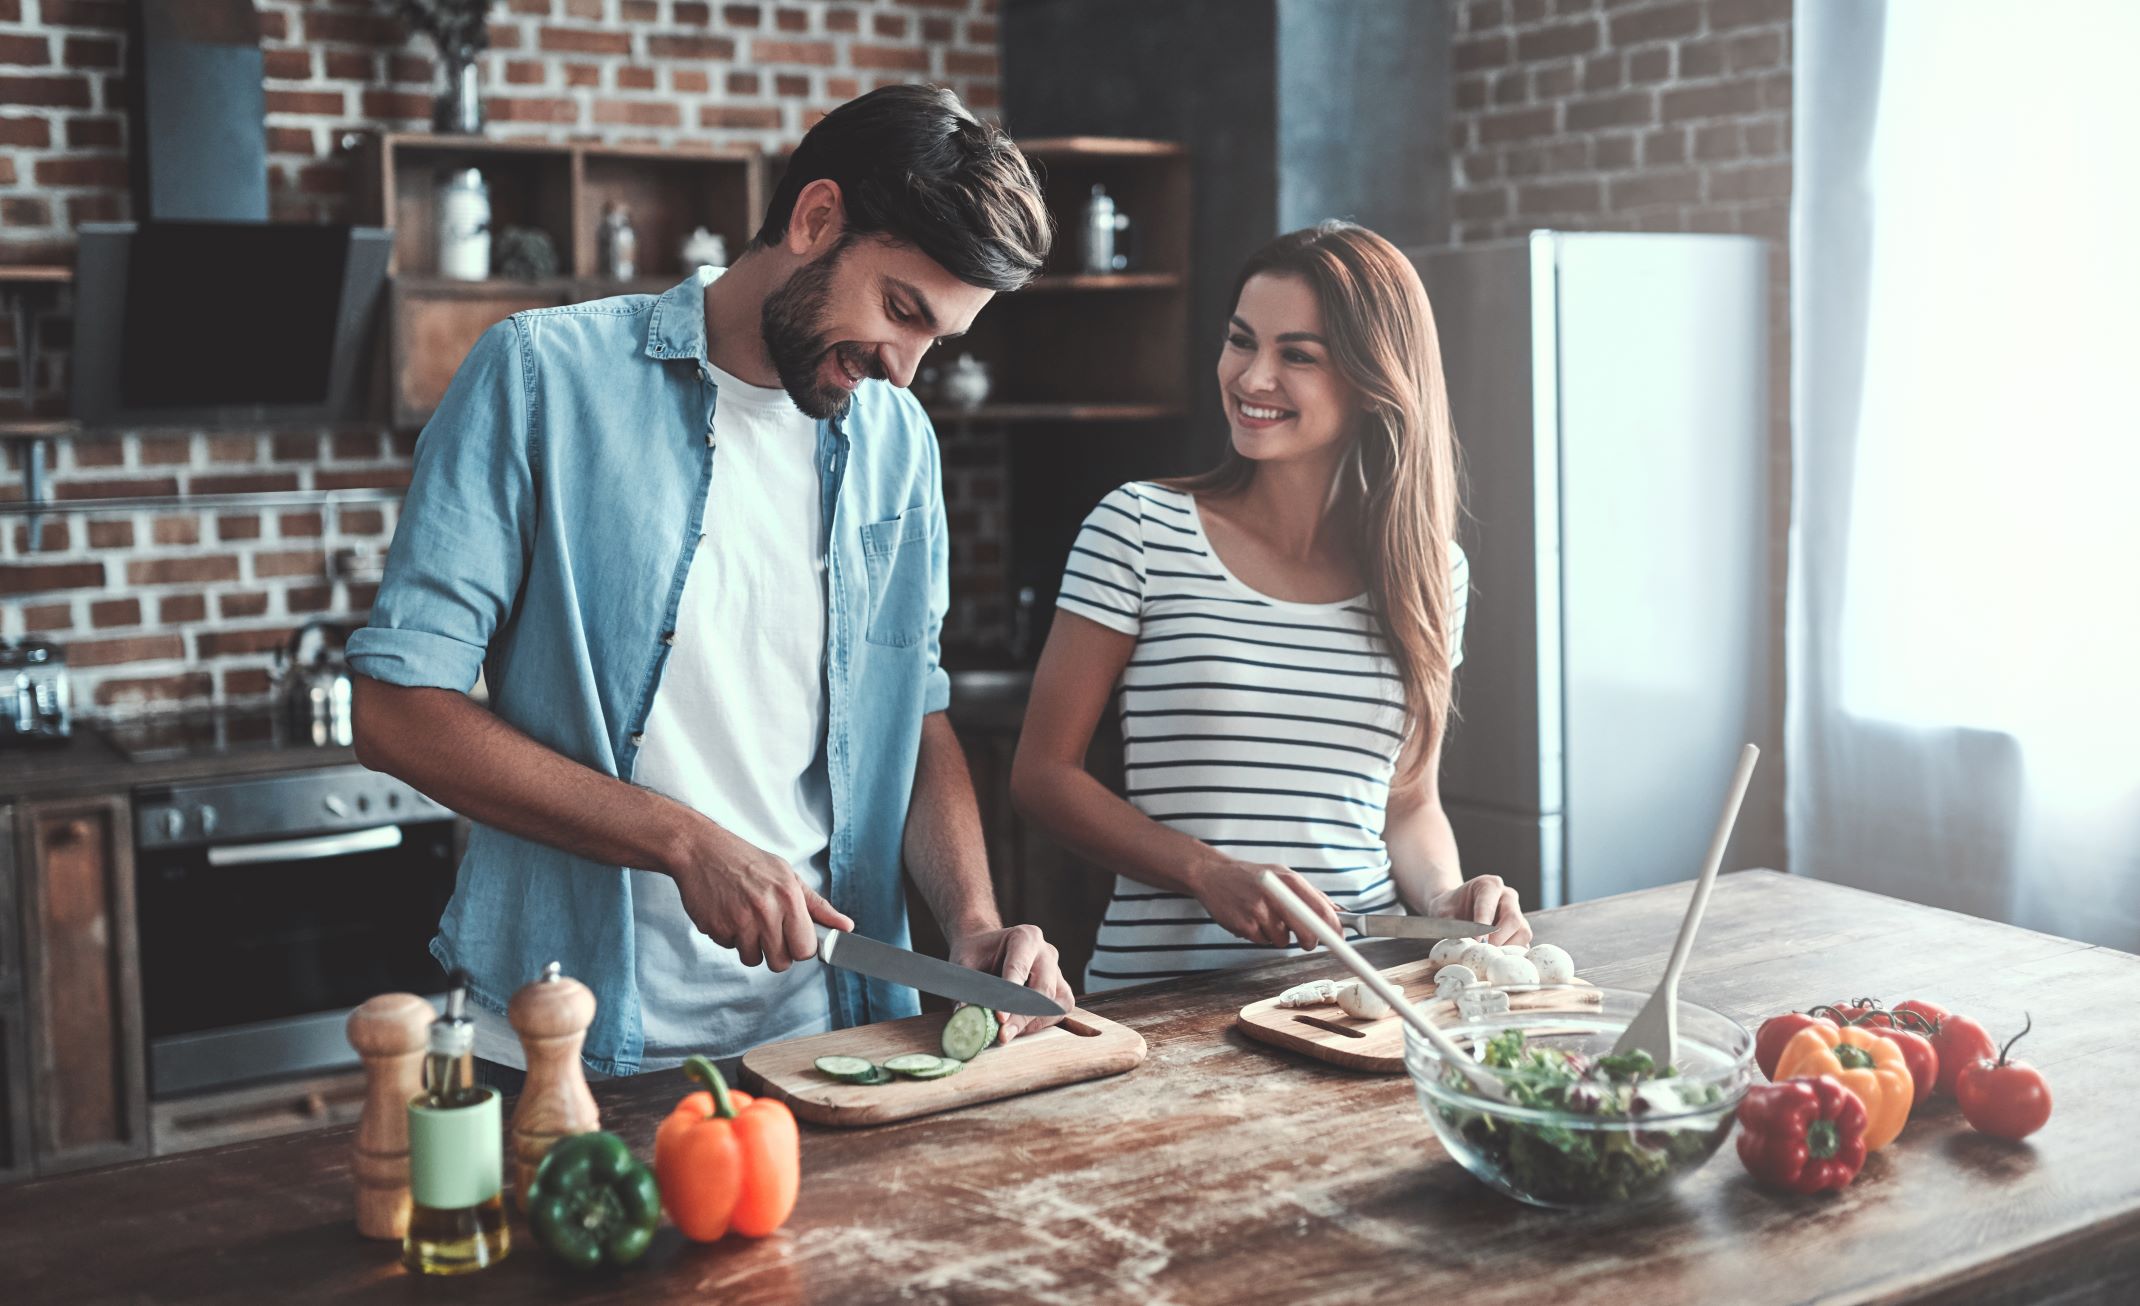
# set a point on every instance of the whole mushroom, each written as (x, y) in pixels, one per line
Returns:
(1447, 949)
(1554, 964)
(1504, 969)
(1475, 954)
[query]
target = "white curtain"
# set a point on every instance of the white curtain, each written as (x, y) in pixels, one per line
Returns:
(1964, 720)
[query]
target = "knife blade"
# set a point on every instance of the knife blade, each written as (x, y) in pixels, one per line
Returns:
(866, 956)
(1412, 927)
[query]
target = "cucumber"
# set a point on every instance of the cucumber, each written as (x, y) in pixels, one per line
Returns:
(914, 1064)
(969, 1033)
(944, 1066)
(877, 1075)
(851, 1069)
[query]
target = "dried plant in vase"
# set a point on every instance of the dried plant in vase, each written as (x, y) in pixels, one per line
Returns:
(461, 31)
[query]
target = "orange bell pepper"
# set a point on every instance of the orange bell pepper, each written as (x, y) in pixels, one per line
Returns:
(1869, 1066)
(727, 1161)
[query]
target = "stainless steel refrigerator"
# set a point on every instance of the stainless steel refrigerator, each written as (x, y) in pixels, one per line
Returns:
(1610, 395)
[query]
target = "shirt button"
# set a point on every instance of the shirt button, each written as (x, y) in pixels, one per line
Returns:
(669, 639)
(709, 439)
(638, 740)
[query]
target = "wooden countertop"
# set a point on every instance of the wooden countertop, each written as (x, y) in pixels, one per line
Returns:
(88, 764)
(1226, 1171)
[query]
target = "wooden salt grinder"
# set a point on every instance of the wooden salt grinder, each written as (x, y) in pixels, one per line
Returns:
(389, 1033)
(551, 1016)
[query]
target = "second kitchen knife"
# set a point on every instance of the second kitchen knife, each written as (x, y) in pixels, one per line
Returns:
(1412, 927)
(866, 956)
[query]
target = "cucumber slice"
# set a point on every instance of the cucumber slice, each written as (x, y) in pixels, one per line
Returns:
(969, 1032)
(877, 1075)
(852, 1069)
(944, 1066)
(913, 1064)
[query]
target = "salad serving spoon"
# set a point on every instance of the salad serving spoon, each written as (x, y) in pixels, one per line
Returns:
(1655, 1028)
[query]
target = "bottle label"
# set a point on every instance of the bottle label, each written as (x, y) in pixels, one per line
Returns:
(456, 1155)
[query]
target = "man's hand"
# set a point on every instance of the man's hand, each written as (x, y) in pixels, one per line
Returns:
(1020, 955)
(1485, 899)
(745, 898)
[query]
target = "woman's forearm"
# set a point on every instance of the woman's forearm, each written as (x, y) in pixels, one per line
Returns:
(1423, 856)
(1099, 825)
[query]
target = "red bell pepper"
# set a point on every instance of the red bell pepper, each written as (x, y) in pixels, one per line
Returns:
(1802, 1135)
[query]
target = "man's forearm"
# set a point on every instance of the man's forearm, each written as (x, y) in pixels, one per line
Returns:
(463, 756)
(945, 851)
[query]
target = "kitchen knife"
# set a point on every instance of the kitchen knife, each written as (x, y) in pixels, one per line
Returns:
(866, 956)
(1413, 927)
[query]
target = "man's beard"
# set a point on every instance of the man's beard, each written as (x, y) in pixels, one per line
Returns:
(792, 323)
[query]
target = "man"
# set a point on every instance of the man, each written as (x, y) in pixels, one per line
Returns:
(699, 546)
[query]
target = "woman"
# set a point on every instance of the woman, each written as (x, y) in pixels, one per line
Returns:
(1283, 628)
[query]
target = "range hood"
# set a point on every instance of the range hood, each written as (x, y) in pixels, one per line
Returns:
(202, 312)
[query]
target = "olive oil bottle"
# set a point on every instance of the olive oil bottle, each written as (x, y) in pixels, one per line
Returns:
(456, 1155)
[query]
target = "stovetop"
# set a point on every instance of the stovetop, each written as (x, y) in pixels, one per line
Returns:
(163, 737)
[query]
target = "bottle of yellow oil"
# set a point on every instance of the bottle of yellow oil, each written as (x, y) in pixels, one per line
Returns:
(456, 1155)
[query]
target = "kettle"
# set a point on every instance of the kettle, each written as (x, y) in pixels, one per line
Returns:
(315, 684)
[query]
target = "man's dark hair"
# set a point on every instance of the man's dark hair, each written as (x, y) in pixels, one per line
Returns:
(913, 165)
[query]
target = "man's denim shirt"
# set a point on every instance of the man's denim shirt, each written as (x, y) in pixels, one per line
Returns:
(557, 504)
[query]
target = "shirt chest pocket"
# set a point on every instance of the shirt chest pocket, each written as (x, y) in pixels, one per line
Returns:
(896, 555)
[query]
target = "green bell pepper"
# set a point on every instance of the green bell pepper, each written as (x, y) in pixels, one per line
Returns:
(593, 1203)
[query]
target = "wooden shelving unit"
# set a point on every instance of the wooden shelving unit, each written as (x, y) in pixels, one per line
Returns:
(560, 189)
(21, 286)
(1074, 347)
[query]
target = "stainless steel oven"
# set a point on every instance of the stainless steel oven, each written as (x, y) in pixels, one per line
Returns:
(268, 908)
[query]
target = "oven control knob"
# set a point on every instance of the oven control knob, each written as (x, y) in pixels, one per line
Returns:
(337, 805)
(207, 818)
(174, 824)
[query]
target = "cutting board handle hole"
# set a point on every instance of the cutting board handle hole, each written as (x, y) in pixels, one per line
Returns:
(1079, 1028)
(1332, 1026)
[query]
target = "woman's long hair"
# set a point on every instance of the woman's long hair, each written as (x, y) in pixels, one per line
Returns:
(1400, 471)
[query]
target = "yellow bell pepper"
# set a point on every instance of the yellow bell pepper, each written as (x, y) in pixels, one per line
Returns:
(1869, 1066)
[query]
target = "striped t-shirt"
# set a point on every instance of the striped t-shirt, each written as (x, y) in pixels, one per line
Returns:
(1268, 730)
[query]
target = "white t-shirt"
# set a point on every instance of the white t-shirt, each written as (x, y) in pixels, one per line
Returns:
(736, 731)
(1267, 729)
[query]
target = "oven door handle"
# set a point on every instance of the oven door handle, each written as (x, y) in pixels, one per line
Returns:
(377, 839)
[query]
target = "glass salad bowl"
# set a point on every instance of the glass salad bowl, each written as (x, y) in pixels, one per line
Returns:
(1582, 1129)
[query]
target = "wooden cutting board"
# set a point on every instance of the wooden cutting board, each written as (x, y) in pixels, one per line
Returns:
(1082, 1047)
(1328, 1034)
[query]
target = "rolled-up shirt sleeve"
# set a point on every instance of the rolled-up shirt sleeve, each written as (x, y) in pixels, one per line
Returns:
(936, 694)
(462, 544)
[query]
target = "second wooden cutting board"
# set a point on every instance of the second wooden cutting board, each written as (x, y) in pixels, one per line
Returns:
(1083, 1047)
(1328, 1034)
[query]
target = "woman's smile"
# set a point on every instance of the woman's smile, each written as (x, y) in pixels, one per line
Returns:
(1259, 416)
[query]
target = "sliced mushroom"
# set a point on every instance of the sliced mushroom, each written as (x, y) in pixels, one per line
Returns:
(1314, 993)
(1363, 1003)
(1453, 979)
(1478, 1001)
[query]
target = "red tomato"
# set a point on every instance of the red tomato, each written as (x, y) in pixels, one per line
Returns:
(1918, 1054)
(2004, 1098)
(1777, 1031)
(1933, 1015)
(1961, 1043)
(1846, 1012)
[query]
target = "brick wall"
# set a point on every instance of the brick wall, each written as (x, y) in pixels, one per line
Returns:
(162, 609)
(1642, 115)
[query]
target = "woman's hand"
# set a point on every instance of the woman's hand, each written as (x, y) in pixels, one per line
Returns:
(1230, 890)
(1485, 899)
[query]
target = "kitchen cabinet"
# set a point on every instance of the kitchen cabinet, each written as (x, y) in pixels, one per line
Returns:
(560, 189)
(15, 1155)
(81, 1009)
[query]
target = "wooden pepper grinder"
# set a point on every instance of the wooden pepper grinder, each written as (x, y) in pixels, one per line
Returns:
(389, 1033)
(551, 1015)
